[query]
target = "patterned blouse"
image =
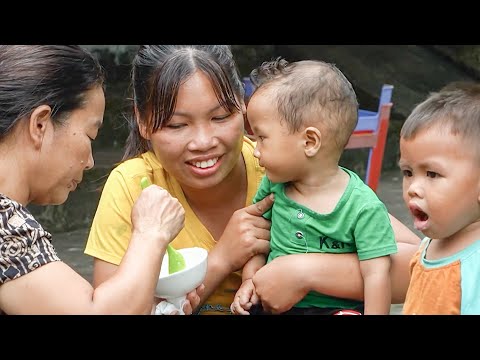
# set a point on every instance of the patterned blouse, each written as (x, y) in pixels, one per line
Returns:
(24, 244)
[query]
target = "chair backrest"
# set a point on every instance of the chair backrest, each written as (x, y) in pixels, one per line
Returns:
(385, 95)
(371, 132)
(375, 157)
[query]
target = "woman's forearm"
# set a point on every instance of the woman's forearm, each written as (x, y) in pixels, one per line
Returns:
(217, 272)
(402, 233)
(339, 274)
(132, 286)
(287, 279)
(400, 271)
(336, 275)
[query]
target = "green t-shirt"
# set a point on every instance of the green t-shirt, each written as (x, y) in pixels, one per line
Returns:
(359, 223)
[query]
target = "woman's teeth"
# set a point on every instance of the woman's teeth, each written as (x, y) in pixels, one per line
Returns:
(206, 164)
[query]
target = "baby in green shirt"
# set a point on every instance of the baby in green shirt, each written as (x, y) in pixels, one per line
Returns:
(302, 115)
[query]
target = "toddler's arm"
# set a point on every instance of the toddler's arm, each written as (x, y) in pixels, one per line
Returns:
(377, 285)
(246, 295)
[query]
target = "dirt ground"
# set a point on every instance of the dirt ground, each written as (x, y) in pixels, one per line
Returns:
(70, 245)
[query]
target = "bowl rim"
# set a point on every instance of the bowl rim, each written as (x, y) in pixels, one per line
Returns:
(178, 273)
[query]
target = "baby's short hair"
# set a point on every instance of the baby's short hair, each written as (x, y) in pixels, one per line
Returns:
(456, 107)
(308, 92)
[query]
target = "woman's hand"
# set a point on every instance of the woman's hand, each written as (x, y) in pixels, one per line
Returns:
(280, 284)
(156, 213)
(246, 234)
(193, 299)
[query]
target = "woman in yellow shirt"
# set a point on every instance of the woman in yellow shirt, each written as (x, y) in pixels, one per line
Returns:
(188, 137)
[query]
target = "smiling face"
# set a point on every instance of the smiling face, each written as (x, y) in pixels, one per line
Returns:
(441, 182)
(66, 152)
(202, 142)
(278, 150)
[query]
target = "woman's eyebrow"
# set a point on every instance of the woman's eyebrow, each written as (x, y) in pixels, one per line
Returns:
(181, 113)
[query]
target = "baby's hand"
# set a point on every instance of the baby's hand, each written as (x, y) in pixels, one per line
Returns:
(244, 298)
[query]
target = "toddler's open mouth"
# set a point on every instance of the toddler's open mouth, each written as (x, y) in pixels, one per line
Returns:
(420, 218)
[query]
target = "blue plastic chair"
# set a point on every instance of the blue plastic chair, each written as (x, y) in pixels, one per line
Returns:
(368, 120)
(371, 132)
(247, 83)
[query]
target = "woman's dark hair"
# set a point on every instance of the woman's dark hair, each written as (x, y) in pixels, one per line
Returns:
(54, 75)
(157, 73)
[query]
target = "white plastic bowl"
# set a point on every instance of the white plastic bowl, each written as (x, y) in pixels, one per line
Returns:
(182, 282)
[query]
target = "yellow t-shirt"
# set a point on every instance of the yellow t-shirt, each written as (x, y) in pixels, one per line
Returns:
(111, 228)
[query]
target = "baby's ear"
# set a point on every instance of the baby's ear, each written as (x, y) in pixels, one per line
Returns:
(312, 138)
